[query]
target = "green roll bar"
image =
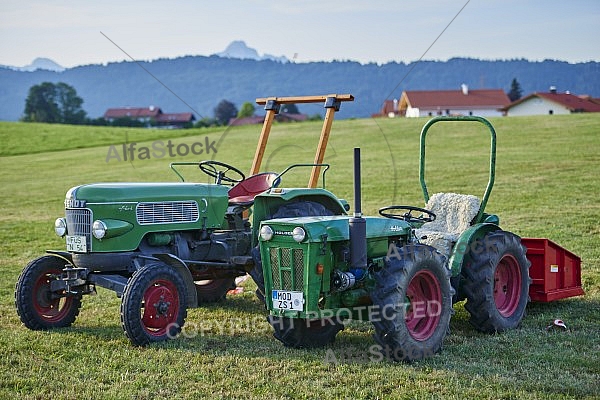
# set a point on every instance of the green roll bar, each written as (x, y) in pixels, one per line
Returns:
(490, 184)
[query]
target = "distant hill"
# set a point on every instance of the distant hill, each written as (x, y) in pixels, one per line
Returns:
(39, 63)
(239, 49)
(204, 81)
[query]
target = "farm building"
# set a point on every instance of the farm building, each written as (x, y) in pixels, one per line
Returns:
(423, 103)
(150, 116)
(175, 119)
(552, 103)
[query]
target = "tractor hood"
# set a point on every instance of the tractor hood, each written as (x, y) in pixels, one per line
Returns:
(142, 192)
(130, 211)
(336, 227)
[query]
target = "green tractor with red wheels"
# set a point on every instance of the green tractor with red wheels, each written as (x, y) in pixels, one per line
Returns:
(165, 247)
(403, 271)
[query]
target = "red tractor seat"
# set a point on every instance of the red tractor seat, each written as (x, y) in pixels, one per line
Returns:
(244, 192)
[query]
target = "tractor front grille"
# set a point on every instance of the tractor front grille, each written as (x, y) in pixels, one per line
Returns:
(287, 268)
(79, 223)
(167, 212)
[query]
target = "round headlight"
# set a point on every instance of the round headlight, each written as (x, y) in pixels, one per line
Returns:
(98, 229)
(298, 234)
(60, 227)
(266, 233)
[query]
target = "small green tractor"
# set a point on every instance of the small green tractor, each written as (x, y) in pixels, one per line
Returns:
(403, 271)
(167, 247)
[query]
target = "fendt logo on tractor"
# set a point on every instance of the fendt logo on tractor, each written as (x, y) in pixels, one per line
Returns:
(166, 247)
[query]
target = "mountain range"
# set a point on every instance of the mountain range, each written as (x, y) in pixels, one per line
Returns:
(239, 74)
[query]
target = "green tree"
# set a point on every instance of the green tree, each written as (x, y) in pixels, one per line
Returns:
(515, 90)
(247, 110)
(69, 104)
(54, 103)
(41, 105)
(224, 111)
(206, 122)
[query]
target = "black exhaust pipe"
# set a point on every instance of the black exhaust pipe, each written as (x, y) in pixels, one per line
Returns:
(357, 226)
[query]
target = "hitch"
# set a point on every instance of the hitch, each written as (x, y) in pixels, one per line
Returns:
(72, 281)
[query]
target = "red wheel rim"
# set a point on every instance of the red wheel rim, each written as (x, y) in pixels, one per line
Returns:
(48, 307)
(425, 305)
(160, 307)
(507, 285)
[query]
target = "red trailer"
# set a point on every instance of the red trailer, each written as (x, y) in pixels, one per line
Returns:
(555, 271)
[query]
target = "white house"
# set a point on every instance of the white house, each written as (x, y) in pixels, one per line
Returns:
(551, 103)
(483, 102)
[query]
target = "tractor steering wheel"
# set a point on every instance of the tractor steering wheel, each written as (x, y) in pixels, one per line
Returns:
(407, 216)
(210, 169)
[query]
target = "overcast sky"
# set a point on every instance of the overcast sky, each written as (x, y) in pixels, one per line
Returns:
(68, 32)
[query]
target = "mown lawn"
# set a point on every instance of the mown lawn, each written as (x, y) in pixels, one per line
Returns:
(546, 186)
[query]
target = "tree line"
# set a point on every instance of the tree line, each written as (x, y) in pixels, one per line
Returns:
(58, 103)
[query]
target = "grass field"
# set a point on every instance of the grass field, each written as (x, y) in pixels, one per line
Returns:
(547, 185)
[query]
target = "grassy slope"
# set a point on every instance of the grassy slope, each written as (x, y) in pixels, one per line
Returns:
(546, 186)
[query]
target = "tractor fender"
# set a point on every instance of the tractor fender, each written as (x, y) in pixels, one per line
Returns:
(278, 196)
(469, 240)
(65, 255)
(180, 266)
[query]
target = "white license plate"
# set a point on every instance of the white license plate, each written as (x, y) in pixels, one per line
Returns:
(286, 300)
(76, 244)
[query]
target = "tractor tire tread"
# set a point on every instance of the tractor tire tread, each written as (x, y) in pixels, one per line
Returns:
(133, 297)
(478, 281)
(392, 281)
(295, 332)
(24, 293)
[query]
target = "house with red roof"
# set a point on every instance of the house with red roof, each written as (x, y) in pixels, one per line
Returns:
(144, 114)
(551, 103)
(150, 116)
(388, 109)
(175, 119)
(429, 103)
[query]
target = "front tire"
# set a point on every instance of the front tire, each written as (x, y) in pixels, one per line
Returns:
(37, 306)
(300, 333)
(496, 283)
(153, 308)
(413, 296)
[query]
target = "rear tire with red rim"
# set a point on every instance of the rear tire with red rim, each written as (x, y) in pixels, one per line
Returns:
(496, 283)
(37, 306)
(412, 304)
(153, 307)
